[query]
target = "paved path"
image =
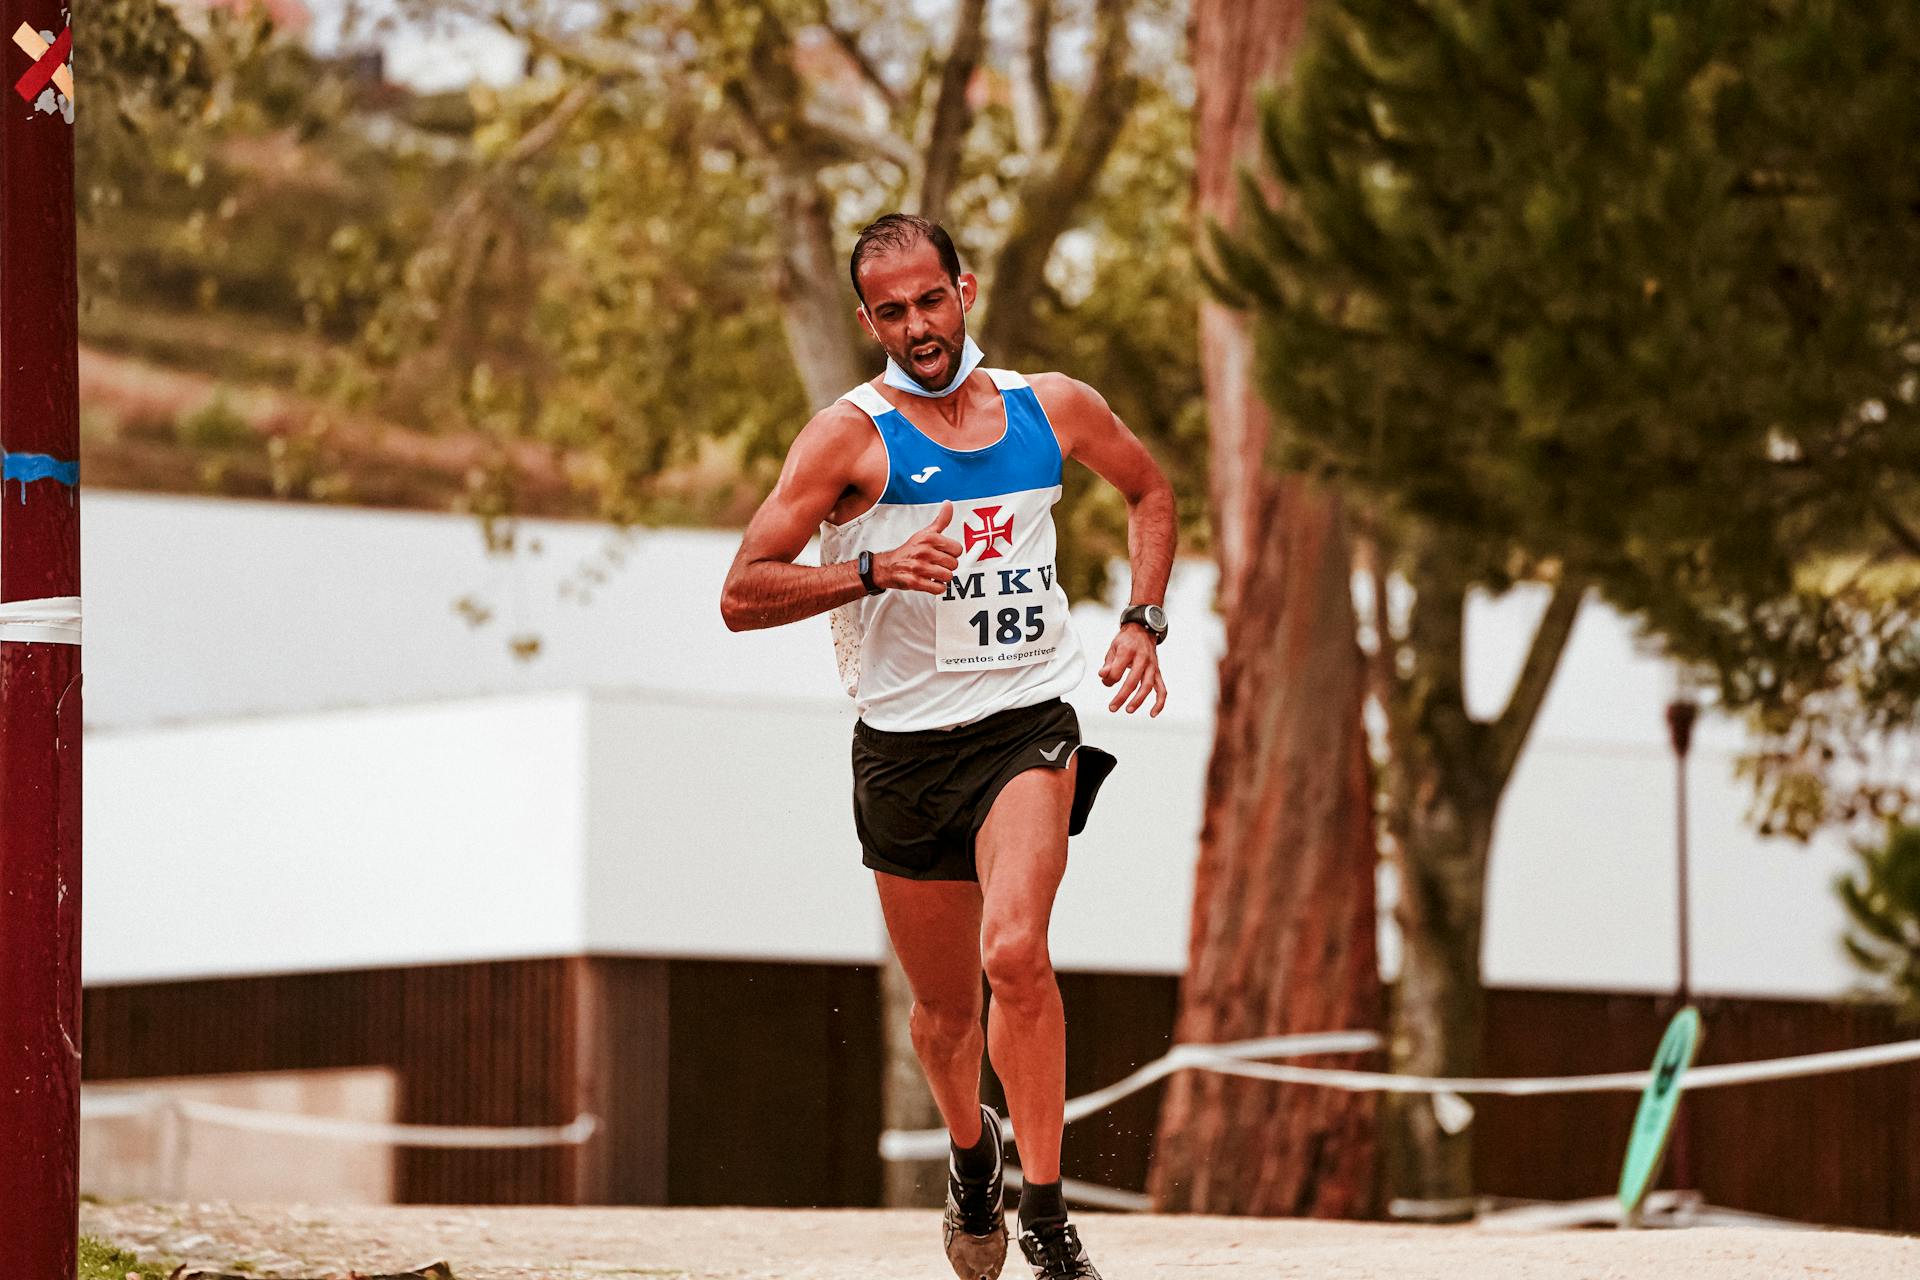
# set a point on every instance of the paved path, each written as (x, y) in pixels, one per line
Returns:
(753, 1244)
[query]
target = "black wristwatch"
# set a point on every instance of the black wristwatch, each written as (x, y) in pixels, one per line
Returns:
(1150, 616)
(866, 574)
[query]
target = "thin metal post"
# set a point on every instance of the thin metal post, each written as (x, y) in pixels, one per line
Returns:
(39, 650)
(1681, 714)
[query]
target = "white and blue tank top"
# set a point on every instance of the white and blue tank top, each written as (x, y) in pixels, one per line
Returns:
(1000, 637)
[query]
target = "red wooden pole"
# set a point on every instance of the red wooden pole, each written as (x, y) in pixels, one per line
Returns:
(39, 650)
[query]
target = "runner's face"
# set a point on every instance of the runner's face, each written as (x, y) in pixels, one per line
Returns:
(916, 312)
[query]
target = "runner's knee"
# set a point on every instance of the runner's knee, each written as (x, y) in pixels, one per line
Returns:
(943, 1027)
(1017, 962)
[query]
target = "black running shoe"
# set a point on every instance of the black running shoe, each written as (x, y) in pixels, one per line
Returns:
(976, 1223)
(1056, 1253)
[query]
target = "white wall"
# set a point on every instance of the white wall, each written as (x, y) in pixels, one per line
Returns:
(698, 802)
(725, 828)
(407, 835)
(1583, 886)
(202, 609)
(552, 824)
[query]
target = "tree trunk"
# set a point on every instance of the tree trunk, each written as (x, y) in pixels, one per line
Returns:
(1449, 773)
(1238, 45)
(1283, 911)
(905, 1100)
(1438, 1007)
(816, 299)
(1283, 915)
(1442, 821)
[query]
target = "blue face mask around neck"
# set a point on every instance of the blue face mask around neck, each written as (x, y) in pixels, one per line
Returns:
(900, 379)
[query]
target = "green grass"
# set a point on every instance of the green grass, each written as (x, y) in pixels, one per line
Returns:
(101, 1261)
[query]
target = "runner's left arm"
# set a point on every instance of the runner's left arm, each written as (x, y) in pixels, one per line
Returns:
(1095, 435)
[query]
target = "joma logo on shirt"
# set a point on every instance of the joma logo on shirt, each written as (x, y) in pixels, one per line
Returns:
(1012, 582)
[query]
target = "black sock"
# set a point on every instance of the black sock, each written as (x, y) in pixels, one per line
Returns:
(1041, 1203)
(976, 1161)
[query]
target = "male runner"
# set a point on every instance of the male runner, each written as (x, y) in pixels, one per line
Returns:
(932, 489)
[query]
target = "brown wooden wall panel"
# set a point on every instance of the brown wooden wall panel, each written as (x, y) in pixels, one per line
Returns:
(488, 1044)
(774, 1084)
(1116, 1023)
(1841, 1148)
(624, 1038)
(471, 1044)
(710, 1076)
(230, 1024)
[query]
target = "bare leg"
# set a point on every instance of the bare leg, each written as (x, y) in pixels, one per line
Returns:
(935, 928)
(1021, 851)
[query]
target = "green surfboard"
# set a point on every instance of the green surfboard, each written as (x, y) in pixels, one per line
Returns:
(1653, 1123)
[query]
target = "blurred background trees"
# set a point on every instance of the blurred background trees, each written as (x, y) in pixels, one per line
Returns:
(1586, 296)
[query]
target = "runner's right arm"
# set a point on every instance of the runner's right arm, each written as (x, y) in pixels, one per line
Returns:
(765, 588)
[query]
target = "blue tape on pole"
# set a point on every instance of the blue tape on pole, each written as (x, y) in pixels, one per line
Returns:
(28, 467)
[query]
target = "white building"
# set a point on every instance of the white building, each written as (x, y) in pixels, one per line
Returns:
(285, 706)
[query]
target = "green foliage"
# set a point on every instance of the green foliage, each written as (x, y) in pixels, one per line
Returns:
(102, 1261)
(1630, 290)
(139, 64)
(215, 425)
(1129, 328)
(1883, 909)
(630, 265)
(593, 257)
(229, 179)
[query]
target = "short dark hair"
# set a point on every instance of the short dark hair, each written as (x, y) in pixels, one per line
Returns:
(902, 231)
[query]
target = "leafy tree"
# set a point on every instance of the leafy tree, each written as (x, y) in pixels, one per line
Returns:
(1883, 905)
(663, 213)
(1608, 294)
(648, 263)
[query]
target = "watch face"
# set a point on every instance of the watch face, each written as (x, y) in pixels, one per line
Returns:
(1156, 617)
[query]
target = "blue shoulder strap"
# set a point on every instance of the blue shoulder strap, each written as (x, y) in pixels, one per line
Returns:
(921, 470)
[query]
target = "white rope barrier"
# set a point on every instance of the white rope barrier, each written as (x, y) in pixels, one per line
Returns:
(1238, 1059)
(931, 1144)
(117, 1105)
(1811, 1064)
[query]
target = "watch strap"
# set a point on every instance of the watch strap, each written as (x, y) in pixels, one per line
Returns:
(1142, 614)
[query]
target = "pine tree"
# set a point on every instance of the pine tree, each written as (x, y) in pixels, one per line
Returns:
(1883, 905)
(1610, 293)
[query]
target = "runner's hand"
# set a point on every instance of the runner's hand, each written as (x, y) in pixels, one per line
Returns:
(924, 562)
(1133, 662)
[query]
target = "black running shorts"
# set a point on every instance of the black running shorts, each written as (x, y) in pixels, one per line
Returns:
(919, 798)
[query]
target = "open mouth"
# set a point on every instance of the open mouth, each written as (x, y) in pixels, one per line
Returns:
(928, 357)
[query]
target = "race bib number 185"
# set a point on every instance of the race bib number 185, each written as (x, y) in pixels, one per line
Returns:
(996, 618)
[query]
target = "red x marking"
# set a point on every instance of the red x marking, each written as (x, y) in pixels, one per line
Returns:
(42, 71)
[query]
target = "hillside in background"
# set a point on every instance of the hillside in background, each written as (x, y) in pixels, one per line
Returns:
(227, 278)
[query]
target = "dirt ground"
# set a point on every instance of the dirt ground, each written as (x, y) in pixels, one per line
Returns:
(743, 1244)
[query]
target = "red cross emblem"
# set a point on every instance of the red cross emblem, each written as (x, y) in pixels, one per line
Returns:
(989, 532)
